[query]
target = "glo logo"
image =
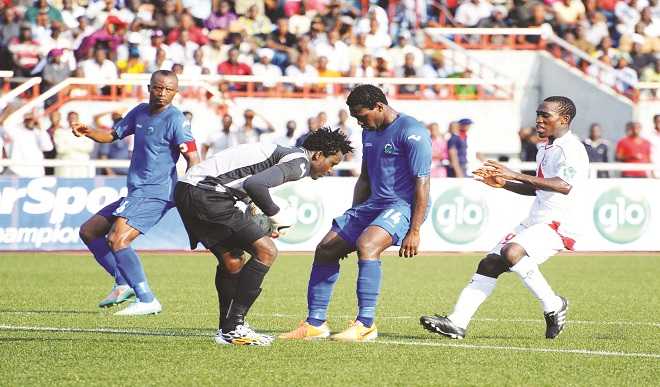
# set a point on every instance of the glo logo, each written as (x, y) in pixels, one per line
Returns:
(308, 206)
(459, 215)
(621, 215)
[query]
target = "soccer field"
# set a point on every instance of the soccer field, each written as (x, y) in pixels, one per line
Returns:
(52, 333)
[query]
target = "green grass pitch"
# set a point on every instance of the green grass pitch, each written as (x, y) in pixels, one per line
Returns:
(52, 333)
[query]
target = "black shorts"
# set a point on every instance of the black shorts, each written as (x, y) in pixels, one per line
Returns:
(212, 218)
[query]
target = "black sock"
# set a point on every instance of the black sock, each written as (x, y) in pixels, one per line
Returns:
(249, 287)
(226, 285)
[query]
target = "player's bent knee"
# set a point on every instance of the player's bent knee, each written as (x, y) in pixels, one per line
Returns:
(325, 254)
(492, 266)
(118, 242)
(265, 251)
(512, 253)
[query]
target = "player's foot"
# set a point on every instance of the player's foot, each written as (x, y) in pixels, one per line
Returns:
(443, 326)
(219, 339)
(244, 335)
(307, 331)
(119, 294)
(139, 308)
(555, 321)
(356, 332)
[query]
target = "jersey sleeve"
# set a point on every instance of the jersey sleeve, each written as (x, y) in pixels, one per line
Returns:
(126, 126)
(181, 133)
(295, 169)
(417, 143)
(567, 168)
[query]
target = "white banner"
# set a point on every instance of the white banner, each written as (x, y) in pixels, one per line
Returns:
(465, 215)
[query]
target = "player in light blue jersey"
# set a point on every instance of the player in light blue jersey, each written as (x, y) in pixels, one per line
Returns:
(161, 134)
(390, 203)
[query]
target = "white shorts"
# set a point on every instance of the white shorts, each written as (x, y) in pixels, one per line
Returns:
(541, 241)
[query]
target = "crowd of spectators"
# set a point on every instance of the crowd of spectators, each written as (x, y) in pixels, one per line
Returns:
(104, 38)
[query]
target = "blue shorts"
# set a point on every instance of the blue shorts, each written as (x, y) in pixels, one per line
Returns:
(140, 213)
(393, 218)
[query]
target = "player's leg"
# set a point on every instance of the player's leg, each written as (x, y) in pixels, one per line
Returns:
(523, 255)
(478, 289)
(93, 234)
(264, 253)
(230, 263)
(322, 279)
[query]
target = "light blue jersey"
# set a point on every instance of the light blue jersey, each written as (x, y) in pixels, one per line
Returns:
(395, 157)
(152, 173)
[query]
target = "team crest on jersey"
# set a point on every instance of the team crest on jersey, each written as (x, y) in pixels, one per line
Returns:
(389, 149)
(150, 130)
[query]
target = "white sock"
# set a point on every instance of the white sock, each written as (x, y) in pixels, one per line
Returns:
(534, 281)
(472, 296)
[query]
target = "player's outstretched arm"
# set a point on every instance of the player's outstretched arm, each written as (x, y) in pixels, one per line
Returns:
(97, 135)
(411, 241)
(362, 189)
(527, 182)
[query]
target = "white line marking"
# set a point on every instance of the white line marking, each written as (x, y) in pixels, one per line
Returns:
(522, 349)
(384, 342)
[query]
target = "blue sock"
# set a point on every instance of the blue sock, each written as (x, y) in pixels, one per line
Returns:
(322, 280)
(130, 267)
(104, 256)
(368, 289)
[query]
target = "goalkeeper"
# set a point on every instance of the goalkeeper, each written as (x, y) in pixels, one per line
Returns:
(206, 199)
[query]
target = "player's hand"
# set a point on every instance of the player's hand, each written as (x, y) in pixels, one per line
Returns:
(283, 221)
(409, 245)
(79, 129)
(500, 170)
(488, 177)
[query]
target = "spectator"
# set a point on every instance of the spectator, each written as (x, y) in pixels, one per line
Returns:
(626, 77)
(110, 37)
(160, 62)
(80, 32)
(568, 13)
(42, 6)
(284, 43)
(457, 149)
(312, 126)
(266, 69)
(366, 68)
(335, 51)
(100, 68)
(597, 148)
(325, 72)
(301, 69)
(439, 151)
(72, 148)
(254, 22)
(654, 139)
(194, 33)
(436, 69)
(70, 13)
(25, 51)
(633, 149)
(166, 17)
(470, 12)
(214, 52)
(403, 48)
(55, 124)
(133, 65)
(249, 132)
(183, 49)
(528, 149)
(27, 144)
(287, 139)
(10, 26)
(408, 70)
(148, 51)
(100, 11)
(116, 150)
(221, 18)
(300, 22)
(223, 139)
(233, 67)
(55, 70)
(197, 66)
(358, 49)
(377, 38)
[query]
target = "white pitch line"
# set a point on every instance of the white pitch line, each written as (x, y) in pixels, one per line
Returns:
(522, 349)
(383, 342)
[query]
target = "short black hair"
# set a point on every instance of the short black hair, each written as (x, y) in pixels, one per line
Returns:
(566, 106)
(328, 141)
(164, 73)
(367, 96)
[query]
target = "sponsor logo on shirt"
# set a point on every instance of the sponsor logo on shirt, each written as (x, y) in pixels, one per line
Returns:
(389, 149)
